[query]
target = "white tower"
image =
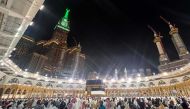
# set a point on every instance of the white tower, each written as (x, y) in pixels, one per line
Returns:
(125, 72)
(177, 41)
(116, 74)
(157, 40)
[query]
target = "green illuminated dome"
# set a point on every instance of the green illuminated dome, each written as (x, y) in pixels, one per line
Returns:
(64, 22)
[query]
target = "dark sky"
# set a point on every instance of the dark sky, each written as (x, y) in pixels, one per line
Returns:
(114, 33)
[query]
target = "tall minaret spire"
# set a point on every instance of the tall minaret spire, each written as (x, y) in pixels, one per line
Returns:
(125, 72)
(157, 40)
(177, 41)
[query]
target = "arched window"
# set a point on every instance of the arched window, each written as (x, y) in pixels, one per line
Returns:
(123, 86)
(24, 92)
(185, 78)
(13, 91)
(39, 84)
(28, 83)
(132, 85)
(59, 86)
(151, 84)
(173, 81)
(14, 81)
(49, 85)
(19, 92)
(8, 91)
(161, 82)
(142, 85)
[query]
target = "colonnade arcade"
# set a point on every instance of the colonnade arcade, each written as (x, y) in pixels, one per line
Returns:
(15, 90)
(179, 89)
(28, 85)
(24, 91)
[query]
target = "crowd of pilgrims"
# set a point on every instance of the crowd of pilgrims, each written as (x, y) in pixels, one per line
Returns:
(97, 103)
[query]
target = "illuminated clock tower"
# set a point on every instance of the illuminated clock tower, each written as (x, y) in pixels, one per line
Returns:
(57, 46)
(62, 29)
(63, 61)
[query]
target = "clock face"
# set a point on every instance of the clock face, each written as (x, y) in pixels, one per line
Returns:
(65, 24)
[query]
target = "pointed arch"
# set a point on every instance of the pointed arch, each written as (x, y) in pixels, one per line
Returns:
(13, 91)
(8, 91)
(151, 84)
(185, 78)
(28, 82)
(142, 85)
(14, 81)
(49, 85)
(132, 85)
(24, 92)
(19, 91)
(123, 86)
(173, 81)
(161, 82)
(59, 86)
(39, 84)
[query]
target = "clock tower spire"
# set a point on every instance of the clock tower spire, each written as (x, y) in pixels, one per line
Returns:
(64, 21)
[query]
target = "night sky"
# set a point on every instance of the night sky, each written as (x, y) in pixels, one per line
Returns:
(113, 33)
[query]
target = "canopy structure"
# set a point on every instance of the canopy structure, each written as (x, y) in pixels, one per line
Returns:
(15, 17)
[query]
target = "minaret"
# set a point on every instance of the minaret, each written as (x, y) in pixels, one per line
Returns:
(125, 72)
(157, 40)
(177, 41)
(116, 74)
